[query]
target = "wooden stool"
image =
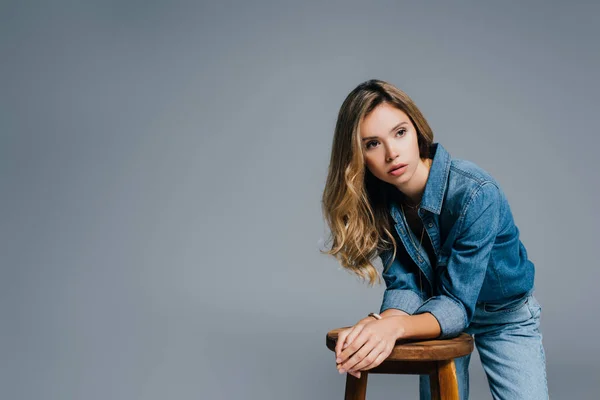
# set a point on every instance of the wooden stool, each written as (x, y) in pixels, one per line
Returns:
(427, 357)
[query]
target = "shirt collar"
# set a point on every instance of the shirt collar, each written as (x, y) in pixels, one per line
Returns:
(435, 188)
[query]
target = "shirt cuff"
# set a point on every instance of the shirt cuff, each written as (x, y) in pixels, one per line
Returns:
(450, 315)
(401, 299)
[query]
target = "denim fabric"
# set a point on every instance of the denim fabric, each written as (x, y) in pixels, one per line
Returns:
(509, 343)
(479, 256)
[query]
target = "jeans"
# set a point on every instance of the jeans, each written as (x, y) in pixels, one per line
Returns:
(509, 343)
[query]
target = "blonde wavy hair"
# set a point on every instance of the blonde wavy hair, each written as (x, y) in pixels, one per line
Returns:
(355, 203)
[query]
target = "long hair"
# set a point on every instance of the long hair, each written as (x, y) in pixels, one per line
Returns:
(355, 203)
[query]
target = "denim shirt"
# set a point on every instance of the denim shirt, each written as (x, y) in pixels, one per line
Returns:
(479, 256)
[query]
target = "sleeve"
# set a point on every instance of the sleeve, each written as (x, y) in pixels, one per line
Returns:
(401, 291)
(459, 283)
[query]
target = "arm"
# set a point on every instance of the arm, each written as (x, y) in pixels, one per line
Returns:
(401, 297)
(375, 340)
(458, 285)
(390, 312)
(460, 282)
(402, 291)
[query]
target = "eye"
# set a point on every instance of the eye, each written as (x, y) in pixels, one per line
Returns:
(401, 132)
(370, 144)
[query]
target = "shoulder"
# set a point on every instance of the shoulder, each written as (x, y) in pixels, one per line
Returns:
(468, 181)
(470, 172)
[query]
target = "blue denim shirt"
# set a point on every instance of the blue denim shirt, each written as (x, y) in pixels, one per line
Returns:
(479, 256)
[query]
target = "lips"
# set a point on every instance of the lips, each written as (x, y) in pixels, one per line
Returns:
(396, 167)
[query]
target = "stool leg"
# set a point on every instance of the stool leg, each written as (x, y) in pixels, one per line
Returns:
(443, 382)
(356, 389)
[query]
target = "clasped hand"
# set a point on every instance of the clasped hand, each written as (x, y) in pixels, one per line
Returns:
(366, 344)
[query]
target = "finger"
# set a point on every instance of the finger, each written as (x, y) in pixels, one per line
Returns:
(359, 354)
(353, 347)
(367, 354)
(355, 374)
(342, 355)
(370, 357)
(340, 340)
(380, 358)
(353, 334)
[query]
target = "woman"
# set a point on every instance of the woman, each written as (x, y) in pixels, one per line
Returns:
(453, 261)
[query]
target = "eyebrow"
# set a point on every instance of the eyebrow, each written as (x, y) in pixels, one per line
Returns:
(391, 131)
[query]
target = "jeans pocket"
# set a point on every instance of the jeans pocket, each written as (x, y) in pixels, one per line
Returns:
(534, 306)
(510, 305)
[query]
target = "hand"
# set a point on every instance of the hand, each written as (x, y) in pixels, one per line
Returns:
(342, 342)
(365, 345)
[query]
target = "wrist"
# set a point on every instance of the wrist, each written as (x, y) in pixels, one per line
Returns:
(400, 322)
(374, 316)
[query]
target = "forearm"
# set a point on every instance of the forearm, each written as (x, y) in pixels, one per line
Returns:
(419, 326)
(390, 312)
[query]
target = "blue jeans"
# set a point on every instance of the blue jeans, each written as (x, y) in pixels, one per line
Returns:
(509, 343)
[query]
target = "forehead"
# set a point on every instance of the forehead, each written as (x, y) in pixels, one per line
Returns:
(381, 120)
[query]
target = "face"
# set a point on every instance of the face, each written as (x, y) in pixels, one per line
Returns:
(390, 146)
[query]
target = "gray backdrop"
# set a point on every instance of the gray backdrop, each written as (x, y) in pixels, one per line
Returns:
(161, 167)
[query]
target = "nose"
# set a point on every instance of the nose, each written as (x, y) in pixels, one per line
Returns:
(390, 154)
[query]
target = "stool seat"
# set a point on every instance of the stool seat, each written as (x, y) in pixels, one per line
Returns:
(420, 350)
(419, 357)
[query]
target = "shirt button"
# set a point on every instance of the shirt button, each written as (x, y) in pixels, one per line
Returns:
(420, 259)
(430, 224)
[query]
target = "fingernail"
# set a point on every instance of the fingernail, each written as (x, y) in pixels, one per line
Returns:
(337, 360)
(342, 371)
(345, 345)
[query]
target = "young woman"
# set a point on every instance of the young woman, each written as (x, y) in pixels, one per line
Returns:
(452, 258)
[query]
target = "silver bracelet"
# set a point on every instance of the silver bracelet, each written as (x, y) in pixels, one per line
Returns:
(374, 315)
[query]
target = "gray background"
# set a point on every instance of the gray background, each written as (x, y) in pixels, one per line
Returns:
(161, 167)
